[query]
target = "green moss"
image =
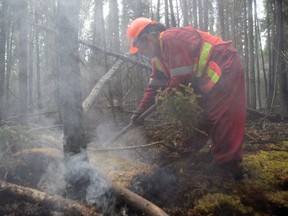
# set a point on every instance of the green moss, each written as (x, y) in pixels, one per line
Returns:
(220, 204)
(279, 199)
(270, 168)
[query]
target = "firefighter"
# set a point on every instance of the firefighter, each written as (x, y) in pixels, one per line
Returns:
(183, 56)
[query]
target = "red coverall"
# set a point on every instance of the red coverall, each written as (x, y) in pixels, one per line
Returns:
(223, 101)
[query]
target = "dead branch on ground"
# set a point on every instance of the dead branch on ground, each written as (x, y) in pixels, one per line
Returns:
(138, 201)
(125, 148)
(56, 202)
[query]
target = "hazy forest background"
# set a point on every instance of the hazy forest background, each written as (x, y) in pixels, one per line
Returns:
(54, 52)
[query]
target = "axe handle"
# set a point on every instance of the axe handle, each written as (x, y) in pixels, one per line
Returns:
(130, 126)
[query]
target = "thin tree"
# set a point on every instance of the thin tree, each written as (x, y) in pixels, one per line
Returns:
(221, 18)
(246, 58)
(38, 71)
(22, 25)
(167, 23)
(113, 27)
(9, 47)
(173, 20)
(206, 17)
(195, 14)
(270, 58)
(282, 76)
(3, 16)
(30, 68)
(158, 11)
(252, 92)
(234, 17)
(258, 92)
(184, 6)
(201, 17)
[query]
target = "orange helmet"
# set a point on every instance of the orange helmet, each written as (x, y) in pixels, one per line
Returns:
(134, 29)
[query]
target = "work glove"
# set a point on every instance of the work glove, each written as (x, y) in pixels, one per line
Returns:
(135, 120)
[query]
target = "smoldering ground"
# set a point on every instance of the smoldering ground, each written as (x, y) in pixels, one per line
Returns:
(75, 178)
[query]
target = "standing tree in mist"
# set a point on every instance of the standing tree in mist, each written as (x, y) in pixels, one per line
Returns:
(69, 76)
(21, 10)
(3, 10)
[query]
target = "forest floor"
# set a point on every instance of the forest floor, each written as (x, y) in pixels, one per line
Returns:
(177, 180)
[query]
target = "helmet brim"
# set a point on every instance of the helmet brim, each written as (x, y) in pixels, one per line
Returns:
(133, 49)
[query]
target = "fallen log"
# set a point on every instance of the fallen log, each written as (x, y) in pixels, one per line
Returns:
(272, 117)
(54, 202)
(255, 112)
(137, 201)
(91, 99)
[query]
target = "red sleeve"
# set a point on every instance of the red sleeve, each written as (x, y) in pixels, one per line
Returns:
(158, 80)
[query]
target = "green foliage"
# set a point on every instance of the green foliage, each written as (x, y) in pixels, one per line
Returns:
(180, 108)
(220, 204)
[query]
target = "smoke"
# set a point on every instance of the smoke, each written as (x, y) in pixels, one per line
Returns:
(77, 179)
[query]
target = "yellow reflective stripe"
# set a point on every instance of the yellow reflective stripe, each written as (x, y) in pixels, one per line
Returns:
(186, 70)
(212, 75)
(161, 42)
(203, 57)
(158, 82)
(159, 65)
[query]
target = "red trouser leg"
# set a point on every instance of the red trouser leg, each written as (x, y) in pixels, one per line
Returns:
(225, 107)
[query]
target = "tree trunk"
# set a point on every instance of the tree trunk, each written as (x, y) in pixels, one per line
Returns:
(221, 18)
(10, 36)
(258, 78)
(167, 23)
(273, 74)
(113, 27)
(3, 25)
(281, 62)
(185, 12)
(38, 74)
(200, 9)
(69, 76)
(158, 11)
(173, 20)
(269, 42)
(252, 93)
(22, 16)
(206, 17)
(234, 24)
(246, 59)
(195, 14)
(30, 67)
